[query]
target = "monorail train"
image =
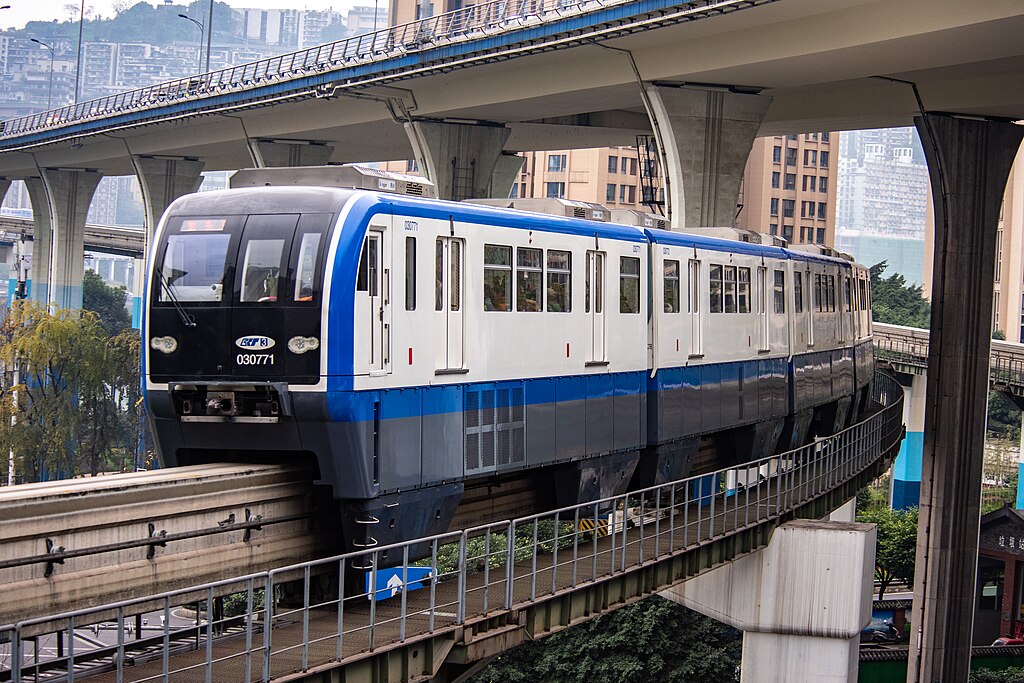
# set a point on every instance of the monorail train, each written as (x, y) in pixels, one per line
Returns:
(420, 353)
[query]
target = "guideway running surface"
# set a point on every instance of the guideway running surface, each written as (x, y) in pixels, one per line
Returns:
(482, 577)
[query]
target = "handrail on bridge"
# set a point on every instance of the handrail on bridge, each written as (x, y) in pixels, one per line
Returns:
(468, 575)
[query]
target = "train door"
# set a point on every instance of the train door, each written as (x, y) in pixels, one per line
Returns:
(594, 304)
(762, 308)
(693, 308)
(374, 309)
(448, 299)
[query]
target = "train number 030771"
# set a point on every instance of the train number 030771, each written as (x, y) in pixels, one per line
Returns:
(254, 359)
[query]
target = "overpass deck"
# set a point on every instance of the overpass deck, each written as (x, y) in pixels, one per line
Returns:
(495, 586)
(108, 239)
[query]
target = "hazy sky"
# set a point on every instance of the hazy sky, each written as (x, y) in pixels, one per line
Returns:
(23, 11)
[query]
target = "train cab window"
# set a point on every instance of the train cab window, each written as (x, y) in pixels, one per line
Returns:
(261, 270)
(715, 288)
(559, 281)
(671, 286)
(529, 274)
(362, 275)
(497, 278)
(410, 273)
(629, 284)
(305, 272)
(730, 289)
(780, 291)
(193, 267)
(798, 291)
(743, 291)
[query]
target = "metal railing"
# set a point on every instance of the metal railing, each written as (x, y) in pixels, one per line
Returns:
(447, 580)
(909, 346)
(460, 25)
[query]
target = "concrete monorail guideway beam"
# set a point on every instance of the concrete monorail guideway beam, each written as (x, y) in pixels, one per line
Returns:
(60, 541)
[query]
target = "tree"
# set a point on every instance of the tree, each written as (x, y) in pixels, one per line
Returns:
(652, 640)
(1011, 674)
(895, 545)
(895, 302)
(107, 302)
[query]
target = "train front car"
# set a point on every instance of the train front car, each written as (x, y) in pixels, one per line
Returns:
(234, 362)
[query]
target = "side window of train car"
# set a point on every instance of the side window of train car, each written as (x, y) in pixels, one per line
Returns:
(629, 284)
(410, 273)
(780, 291)
(497, 278)
(716, 288)
(743, 291)
(832, 293)
(818, 298)
(671, 286)
(559, 281)
(863, 294)
(730, 289)
(848, 294)
(529, 274)
(798, 291)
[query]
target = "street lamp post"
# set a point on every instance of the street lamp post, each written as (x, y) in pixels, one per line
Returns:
(49, 90)
(78, 66)
(209, 35)
(202, 30)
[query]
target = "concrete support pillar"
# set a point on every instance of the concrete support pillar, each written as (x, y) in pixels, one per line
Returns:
(1020, 468)
(801, 602)
(905, 490)
(69, 193)
(280, 153)
(138, 287)
(846, 513)
(42, 239)
(164, 179)
(506, 170)
(458, 158)
(5, 185)
(704, 138)
(969, 162)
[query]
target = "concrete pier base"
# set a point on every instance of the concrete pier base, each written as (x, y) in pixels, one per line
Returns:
(704, 138)
(801, 602)
(905, 491)
(458, 158)
(69, 193)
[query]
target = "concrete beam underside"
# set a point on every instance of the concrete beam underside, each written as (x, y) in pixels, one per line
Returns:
(969, 162)
(289, 153)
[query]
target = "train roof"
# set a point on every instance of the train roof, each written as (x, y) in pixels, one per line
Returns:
(696, 241)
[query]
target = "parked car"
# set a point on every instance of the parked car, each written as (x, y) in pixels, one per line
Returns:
(1007, 641)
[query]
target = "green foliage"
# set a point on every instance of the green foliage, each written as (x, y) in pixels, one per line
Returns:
(1003, 418)
(896, 303)
(999, 335)
(652, 640)
(73, 405)
(895, 544)
(1011, 674)
(106, 302)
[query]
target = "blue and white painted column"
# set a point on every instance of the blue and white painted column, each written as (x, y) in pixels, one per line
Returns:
(905, 488)
(69, 192)
(1020, 468)
(42, 227)
(801, 602)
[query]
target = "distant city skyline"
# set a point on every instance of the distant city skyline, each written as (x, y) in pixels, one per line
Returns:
(23, 11)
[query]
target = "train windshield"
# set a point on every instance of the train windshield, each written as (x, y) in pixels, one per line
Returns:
(193, 267)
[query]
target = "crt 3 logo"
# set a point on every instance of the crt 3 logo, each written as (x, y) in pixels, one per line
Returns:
(254, 342)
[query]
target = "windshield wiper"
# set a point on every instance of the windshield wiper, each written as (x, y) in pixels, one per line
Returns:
(187, 319)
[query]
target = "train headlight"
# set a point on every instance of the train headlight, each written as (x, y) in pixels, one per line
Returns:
(164, 344)
(303, 344)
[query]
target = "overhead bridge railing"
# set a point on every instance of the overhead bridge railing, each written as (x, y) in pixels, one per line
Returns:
(460, 25)
(908, 346)
(445, 583)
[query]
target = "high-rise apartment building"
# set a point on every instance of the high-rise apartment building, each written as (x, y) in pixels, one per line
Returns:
(606, 175)
(789, 188)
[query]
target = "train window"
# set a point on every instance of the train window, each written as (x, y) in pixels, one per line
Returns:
(261, 269)
(715, 288)
(629, 284)
(818, 298)
(780, 291)
(455, 285)
(863, 294)
(848, 294)
(193, 267)
(832, 293)
(743, 291)
(798, 291)
(410, 273)
(439, 275)
(671, 286)
(497, 277)
(730, 289)
(559, 281)
(529, 274)
(305, 272)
